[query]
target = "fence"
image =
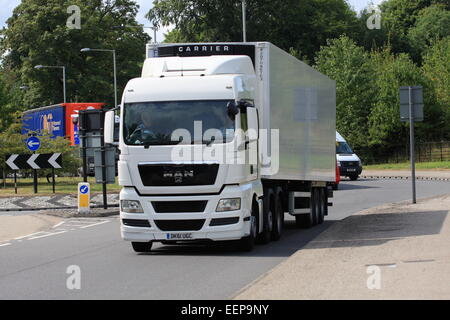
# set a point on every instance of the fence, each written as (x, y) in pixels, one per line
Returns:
(425, 152)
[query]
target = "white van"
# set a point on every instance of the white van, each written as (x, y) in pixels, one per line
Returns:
(348, 162)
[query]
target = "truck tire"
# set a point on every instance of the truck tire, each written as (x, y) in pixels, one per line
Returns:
(315, 205)
(264, 236)
(278, 215)
(306, 221)
(247, 244)
(323, 202)
(335, 186)
(141, 247)
(354, 177)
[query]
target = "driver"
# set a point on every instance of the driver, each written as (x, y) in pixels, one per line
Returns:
(143, 131)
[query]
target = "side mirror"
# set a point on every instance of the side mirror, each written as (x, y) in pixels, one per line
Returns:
(232, 110)
(109, 127)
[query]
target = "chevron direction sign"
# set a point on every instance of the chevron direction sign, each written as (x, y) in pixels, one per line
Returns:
(34, 161)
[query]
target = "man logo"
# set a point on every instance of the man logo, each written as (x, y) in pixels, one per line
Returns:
(179, 175)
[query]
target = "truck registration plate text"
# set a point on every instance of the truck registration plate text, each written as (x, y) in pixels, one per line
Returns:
(178, 236)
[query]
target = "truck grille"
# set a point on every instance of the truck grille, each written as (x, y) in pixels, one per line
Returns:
(180, 225)
(179, 206)
(178, 175)
(349, 164)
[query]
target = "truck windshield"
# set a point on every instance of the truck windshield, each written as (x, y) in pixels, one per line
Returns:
(153, 123)
(343, 148)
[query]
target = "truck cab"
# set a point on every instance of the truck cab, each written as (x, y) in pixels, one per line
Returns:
(349, 163)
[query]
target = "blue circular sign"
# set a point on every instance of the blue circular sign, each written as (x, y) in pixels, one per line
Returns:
(33, 143)
(84, 189)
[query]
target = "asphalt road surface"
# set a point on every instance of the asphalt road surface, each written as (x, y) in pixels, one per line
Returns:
(35, 267)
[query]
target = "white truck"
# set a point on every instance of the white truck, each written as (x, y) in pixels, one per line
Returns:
(219, 140)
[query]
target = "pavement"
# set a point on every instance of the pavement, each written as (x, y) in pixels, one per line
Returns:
(43, 202)
(439, 175)
(394, 251)
(12, 227)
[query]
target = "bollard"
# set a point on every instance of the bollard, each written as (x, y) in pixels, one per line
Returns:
(84, 198)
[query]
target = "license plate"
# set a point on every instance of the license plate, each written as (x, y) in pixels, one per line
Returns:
(178, 236)
(351, 170)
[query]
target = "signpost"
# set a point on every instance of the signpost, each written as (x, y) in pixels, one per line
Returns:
(84, 195)
(34, 161)
(33, 144)
(411, 109)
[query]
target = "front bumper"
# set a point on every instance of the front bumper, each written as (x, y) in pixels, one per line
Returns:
(233, 231)
(348, 171)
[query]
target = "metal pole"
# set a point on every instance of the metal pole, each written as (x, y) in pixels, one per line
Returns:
(53, 179)
(244, 22)
(35, 179)
(64, 83)
(115, 79)
(411, 143)
(82, 130)
(103, 151)
(15, 181)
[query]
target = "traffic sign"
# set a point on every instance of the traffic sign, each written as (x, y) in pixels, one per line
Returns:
(34, 161)
(84, 197)
(33, 143)
(84, 189)
(416, 95)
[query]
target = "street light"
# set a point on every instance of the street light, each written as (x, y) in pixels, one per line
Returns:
(115, 68)
(40, 66)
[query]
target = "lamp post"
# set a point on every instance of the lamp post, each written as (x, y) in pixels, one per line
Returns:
(115, 69)
(64, 76)
(244, 21)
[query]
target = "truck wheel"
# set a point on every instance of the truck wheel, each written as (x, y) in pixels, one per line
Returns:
(335, 186)
(322, 205)
(278, 216)
(306, 221)
(141, 247)
(246, 244)
(353, 177)
(315, 205)
(264, 236)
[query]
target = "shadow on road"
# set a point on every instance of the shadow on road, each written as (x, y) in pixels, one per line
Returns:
(292, 240)
(344, 185)
(377, 229)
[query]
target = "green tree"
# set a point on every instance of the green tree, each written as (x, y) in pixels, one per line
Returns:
(433, 23)
(301, 25)
(385, 128)
(37, 34)
(349, 65)
(399, 16)
(436, 67)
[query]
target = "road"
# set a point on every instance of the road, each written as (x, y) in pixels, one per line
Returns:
(35, 267)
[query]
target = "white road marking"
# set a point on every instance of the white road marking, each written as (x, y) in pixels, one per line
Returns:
(95, 224)
(57, 225)
(29, 235)
(5, 244)
(47, 235)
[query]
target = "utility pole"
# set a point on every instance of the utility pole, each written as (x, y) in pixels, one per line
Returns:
(244, 22)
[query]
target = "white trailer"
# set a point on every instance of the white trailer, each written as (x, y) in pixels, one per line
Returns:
(219, 140)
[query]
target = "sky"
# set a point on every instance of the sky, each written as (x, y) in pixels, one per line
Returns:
(145, 5)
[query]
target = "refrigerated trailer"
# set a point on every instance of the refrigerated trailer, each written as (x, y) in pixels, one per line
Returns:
(219, 140)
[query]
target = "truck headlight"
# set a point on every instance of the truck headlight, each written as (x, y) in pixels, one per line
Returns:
(131, 206)
(228, 205)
